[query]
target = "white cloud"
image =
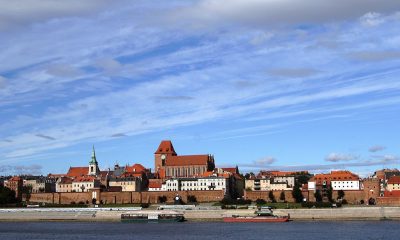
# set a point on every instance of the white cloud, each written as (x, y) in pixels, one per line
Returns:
(376, 148)
(3, 82)
(265, 161)
(372, 19)
(19, 13)
(339, 157)
(274, 12)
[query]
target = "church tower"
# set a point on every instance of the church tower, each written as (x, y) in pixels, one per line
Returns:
(93, 165)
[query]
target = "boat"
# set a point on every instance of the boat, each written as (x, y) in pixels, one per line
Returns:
(264, 214)
(152, 217)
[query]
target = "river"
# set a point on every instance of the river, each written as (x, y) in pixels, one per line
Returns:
(298, 230)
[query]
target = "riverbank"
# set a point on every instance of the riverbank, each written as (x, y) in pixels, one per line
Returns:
(113, 214)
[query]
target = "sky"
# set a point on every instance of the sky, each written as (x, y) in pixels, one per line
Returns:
(274, 84)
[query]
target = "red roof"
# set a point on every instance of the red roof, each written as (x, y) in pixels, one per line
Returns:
(77, 171)
(66, 180)
(334, 176)
(231, 170)
(15, 179)
(187, 160)
(154, 184)
(166, 147)
(394, 180)
(84, 179)
(136, 168)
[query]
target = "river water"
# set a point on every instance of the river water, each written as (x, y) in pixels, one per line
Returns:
(298, 230)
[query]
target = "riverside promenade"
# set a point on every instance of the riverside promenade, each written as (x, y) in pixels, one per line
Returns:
(113, 214)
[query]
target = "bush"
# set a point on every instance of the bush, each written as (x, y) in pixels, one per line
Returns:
(191, 199)
(162, 199)
(73, 203)
(81, 202)
(260, 201)
(145, 205)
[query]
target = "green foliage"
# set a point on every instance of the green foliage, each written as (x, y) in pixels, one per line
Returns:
(318, 196)
(260, 201)
(282, 197)
(271, 196)
(162, 199)
(191, 199)
(7, 195)
(329, 192)
(340, 194)
(302, 178)
(296, 193)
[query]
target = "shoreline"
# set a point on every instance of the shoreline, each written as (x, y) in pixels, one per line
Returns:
(113, 215)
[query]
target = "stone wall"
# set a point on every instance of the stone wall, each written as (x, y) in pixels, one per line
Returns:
(125, 197)
(254, 195)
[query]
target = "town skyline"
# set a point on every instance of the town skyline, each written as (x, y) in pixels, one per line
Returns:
(299, 90)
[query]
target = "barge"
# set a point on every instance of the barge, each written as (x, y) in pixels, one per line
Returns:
(152, 217)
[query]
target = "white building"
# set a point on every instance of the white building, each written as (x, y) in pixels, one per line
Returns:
(265, 184)
(346, 185)
(84, 184)
(196, 184)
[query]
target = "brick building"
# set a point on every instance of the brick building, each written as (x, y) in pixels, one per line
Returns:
(167, 163)
(15, 184)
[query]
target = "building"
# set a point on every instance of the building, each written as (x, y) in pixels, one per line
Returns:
(155, 186)
(393, 183)
(84, 184)
(211, 183)
(127, 184)
(168, 164)
(265, 184)
(338, 180)
(40, 184)
(15, 183)
(64, 184)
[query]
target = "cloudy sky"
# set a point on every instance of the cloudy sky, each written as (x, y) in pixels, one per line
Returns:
(273, 84)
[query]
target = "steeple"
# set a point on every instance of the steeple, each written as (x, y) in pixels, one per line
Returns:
(93, 165)
(93, 160)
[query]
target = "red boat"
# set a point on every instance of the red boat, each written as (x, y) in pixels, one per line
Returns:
(256, 219)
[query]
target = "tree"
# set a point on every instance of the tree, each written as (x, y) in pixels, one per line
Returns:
(27, 190)
(7, 195)
(340, 194)
(318, 196)
(191, 199)
(329, 194)
(296, 193)
(162, 199)
(282, 197)
(260, 201)
(271, 196)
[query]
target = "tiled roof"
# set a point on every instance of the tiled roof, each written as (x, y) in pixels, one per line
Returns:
(135, 168)
(334, 176)
(77, 171)
(66, 180)
(187, 160)
(155, 184)
(84, 179)
(166, 147)
(231, 169)
(394, 180)
(16, 178)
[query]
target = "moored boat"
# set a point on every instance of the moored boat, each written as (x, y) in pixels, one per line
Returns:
(152, 217)
(256, 219)
(264, 214)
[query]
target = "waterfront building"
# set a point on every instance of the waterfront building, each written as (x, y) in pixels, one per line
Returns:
(338, 180)
(266, 184)
(127, 184)
(40, 184)
(64, 184)
(393, 183)
(168, 164)
(15, 183)
(84, 184)
(155, 186)
(211, 183)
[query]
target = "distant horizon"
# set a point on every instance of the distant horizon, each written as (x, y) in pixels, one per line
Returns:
(258, 84)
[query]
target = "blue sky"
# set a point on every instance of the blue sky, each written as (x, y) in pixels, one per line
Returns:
(310, 85)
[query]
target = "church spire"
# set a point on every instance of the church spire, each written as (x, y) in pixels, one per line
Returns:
(93, 160)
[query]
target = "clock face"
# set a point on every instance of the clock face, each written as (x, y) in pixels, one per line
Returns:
(163, 157)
